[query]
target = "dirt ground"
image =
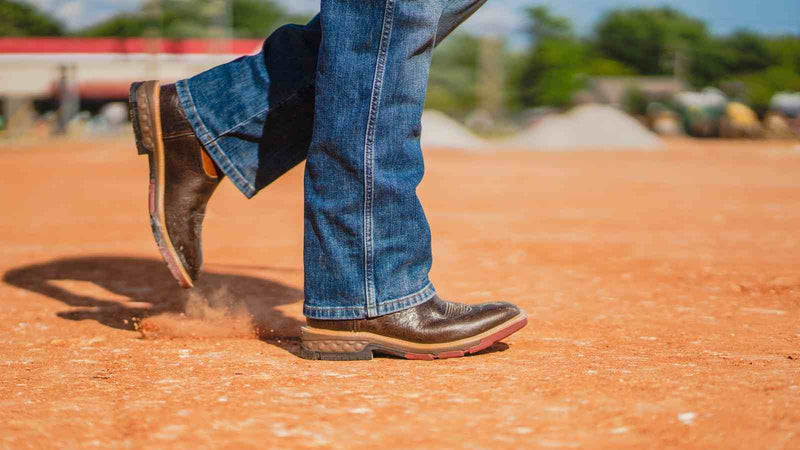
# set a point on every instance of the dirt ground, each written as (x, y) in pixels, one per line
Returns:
(663, 290)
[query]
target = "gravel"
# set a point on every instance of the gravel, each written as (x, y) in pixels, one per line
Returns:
(441, 131)
(588, 127)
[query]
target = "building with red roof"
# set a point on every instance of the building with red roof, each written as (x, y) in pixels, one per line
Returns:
(102, 68)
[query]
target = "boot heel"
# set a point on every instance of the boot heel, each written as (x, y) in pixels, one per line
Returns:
(133, 114)
(336, 350)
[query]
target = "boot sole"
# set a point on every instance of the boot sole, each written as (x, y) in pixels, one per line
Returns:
(347, 346)
(146, 120)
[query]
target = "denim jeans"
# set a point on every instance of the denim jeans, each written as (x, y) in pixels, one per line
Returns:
(346, 93)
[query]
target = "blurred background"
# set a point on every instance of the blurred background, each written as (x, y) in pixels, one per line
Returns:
(727, 69)
(657, 257)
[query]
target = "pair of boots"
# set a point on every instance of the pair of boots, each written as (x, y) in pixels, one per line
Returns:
(183, 178)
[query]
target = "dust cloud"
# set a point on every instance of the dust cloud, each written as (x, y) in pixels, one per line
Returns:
(215, 313)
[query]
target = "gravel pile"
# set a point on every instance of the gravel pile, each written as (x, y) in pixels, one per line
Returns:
(588, 127)
(441, 131)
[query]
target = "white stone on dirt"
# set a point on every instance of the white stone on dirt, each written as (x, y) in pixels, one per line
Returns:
(687, 418)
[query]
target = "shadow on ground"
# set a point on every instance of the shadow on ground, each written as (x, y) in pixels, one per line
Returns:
(120, 291)
(123, 288)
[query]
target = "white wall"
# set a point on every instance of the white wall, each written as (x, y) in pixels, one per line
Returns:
(32, 75)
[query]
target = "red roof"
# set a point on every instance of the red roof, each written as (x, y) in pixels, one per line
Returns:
(128, 45)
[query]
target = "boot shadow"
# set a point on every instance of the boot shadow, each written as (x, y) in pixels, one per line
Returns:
(116, 291)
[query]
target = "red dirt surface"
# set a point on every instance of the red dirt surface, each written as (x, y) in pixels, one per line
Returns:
(663, 291)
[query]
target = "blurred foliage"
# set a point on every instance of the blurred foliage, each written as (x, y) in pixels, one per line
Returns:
(453, 76)
(551, 73)
(648, 40)
(761, 86)
(256, 18)
(543, 25)
(786, 50)
(749, 52)
(195, 18)
(761, 65)
(605, 67)
(557, 63)
(121, 25)
(22, 19)
(636, 101)
(658, 41)
(715, 59)
(710, 62)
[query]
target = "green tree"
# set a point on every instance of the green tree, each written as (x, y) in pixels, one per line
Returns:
(786, 51)
(651, 41)
(600, 66)
(453, 76)
(548, 73)
(710, 61)
(551, 73)
(557, 65)
(21, 19)
(761, 86)
(740, 54)
(543, 25)
(256, 18)
(122, 25)
(749, 52)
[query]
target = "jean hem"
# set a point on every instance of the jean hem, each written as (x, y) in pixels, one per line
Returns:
(210, 142)
(360, 312)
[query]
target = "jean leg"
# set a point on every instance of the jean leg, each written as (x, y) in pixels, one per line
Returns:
(254, 115)
(367, 242)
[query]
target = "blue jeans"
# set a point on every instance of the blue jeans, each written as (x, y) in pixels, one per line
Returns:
(346, 93)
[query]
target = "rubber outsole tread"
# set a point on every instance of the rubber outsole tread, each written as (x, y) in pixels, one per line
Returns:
(368, 352)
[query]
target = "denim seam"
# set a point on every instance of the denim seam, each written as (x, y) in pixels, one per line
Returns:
(428, 286)
(211, 146)
(369, 158)
(358, 312)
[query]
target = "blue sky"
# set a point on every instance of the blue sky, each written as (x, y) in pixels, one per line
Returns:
(504, 17)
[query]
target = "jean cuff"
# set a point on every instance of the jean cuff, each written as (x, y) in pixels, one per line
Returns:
(360, 312)
(209, 141)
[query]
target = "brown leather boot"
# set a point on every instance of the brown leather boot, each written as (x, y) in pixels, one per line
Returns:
(434, 329)
(182, 176)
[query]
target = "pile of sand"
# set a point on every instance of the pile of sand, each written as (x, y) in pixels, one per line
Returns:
(441, 131)
(590, 127)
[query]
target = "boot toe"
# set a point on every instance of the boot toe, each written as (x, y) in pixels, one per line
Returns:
(497, 313)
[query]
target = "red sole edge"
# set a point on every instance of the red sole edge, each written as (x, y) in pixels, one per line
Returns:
(502, 334)
(485, 343)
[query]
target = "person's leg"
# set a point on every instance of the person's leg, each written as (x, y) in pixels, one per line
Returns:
(367, 242)
(367, 248)
(255, 114)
